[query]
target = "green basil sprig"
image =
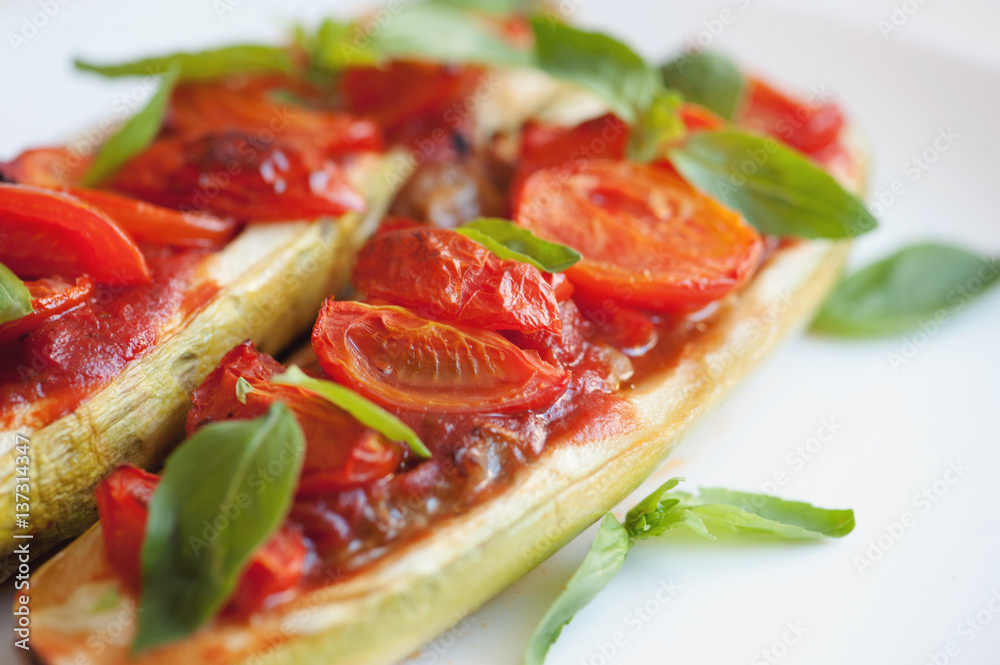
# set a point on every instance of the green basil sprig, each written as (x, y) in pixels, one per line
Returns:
(367, 412)
(664, 510)
(778, 190)
(244, 58)
(602, 563)
(222, 495)
(708, 79)
(917, 284)
(135, 135)
(15, 300)
(509, 241)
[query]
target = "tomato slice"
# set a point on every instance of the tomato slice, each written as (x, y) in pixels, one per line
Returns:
(447, 276)
(418, 104)
(50, 233)
(46, 167)
(563, 348)
(341, 453)
(123, 506)
(628, 330)
(251, 106)
(546, 146)
(50, 297)
(404, 361)
(158, 225)
(236, 175)
(697, 117)
(649, 240)
(807, 127)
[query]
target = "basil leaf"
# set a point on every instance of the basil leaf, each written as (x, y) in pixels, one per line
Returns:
(915, 285)
(135, 135)
(368, 413)
(15, 300)
(223, 493)
(708, 79)
(601, 564)
(333, 47)
(444, 33)
(597, 62)
(499, 7)
(509, 241)
(243, 387)
(201, 65)
(658, 125)
(744, 512)
(659, 512)
(777, 189)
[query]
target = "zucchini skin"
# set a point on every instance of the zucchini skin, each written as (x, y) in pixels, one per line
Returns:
(272, 279)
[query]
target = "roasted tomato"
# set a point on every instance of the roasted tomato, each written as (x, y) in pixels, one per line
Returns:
(697, 118)
(404, 361)
(157, 225)
(546, 146)
(251, 106)
(46, 167)
(563, 348)
(237, 175)
(276, 568)
(123, 506)
(418, 104)
(649, 240)
(626, 329)
(50, 297)
(444, 275)
(809, 127)
(48, 233)
(341, 453)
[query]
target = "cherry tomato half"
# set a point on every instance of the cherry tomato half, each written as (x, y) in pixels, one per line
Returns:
(649, 240)
(50, 233)
(50, 297)
(341, 453)
(236, 175)
(123, 505)
(447, 276)
(404, 361)
(252, 106)
(417, 104)
(46, 167)
(805, 126)
(277, 567)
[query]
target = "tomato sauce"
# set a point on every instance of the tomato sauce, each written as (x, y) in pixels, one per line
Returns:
(49, 372)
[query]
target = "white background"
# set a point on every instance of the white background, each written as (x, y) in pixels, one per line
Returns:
(898, 428)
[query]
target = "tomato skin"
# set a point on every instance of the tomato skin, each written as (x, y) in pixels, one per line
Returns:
(123, 505)
(277, 567)
(352, 457)
(447, 276)
(235, 175)
(46, 167)
(697, 118)
(649, 240)
(418, 104)
(563, 348)
(628, 330)
(249, 106)
(50, 233)
(406, 362)
(50, 297)
(545, 146)
(807, 127)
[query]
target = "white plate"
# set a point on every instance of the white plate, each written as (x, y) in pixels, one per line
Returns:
(899, 428)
